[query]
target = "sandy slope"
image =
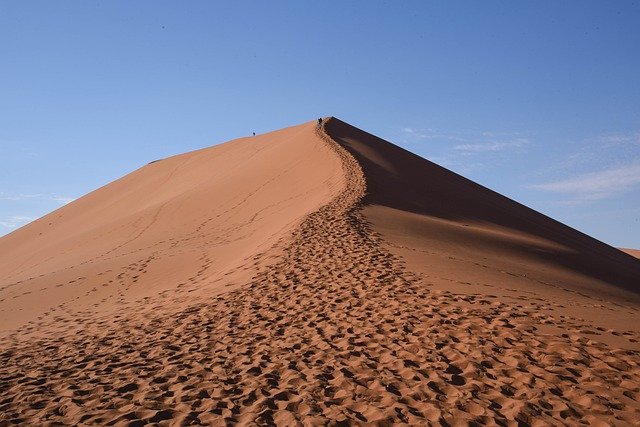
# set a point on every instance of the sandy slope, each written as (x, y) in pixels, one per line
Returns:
(347, 316)
(199, 217)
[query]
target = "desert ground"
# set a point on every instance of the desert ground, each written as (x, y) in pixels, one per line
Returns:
(309, 276)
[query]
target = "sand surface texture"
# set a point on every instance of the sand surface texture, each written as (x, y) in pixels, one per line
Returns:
(351, 299)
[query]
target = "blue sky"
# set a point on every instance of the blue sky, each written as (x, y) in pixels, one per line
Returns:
(537, 100)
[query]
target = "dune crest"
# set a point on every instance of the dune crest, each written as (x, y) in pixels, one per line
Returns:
(335, 327)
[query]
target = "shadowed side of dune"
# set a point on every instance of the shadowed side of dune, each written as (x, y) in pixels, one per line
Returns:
(436, 203)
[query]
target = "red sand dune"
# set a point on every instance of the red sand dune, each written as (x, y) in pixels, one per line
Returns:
(312, 275)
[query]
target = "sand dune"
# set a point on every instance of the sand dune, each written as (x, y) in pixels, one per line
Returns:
(313, 275)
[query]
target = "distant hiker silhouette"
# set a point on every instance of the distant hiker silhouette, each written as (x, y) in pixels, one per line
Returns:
(319, 122)
(254, 134)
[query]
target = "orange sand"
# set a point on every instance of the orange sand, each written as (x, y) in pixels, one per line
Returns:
(312, 275)
(632, 252)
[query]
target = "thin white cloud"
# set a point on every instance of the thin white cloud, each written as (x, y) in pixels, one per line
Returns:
(602, 151)
(46, 197)
(469, 140)
(429, 134)
(464, 151)
(15, 221)
(597, 185)
(620, 138)
(63, 200)
(492, 146)
(19, 197)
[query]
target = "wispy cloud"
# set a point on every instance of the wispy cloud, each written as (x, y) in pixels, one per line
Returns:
(620, 138)
(19, 197)
(15, 221)
(421, 134)
(493, 145)
(597, 185)
(603, 151)
(45, 197)
(465, 150)
(63, 200)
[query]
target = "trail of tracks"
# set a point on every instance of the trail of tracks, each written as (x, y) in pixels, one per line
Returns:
(335, 331)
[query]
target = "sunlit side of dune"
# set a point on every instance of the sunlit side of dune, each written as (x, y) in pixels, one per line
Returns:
(200, 216)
